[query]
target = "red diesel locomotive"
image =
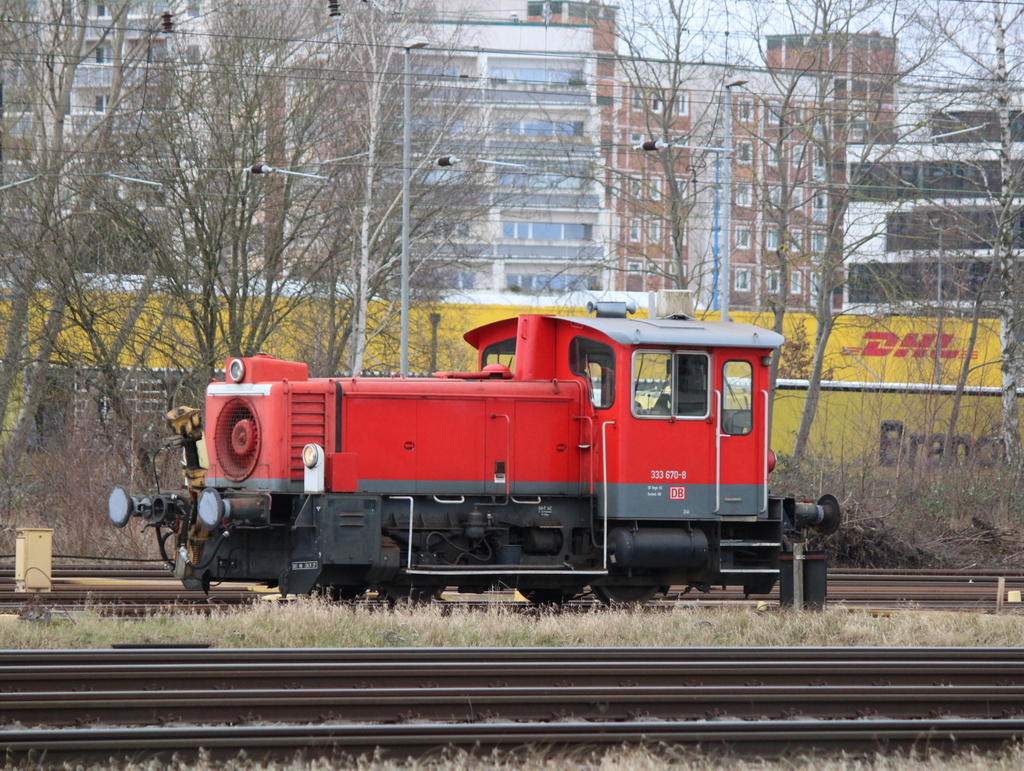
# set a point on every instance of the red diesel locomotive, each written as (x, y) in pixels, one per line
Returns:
(624, 455)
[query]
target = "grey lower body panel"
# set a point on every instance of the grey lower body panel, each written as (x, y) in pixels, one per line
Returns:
(681, 501)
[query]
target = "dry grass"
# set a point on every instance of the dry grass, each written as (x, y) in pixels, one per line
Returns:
(312, 623)
(315, 623)
(613, 759)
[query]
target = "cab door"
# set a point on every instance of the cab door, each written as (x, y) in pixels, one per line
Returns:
(740, 448)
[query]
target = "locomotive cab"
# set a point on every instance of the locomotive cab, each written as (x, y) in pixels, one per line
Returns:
(627, 455)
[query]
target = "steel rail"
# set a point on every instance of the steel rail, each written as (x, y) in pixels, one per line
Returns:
(765, 738)
(128, 588)
(186, 653)
(600, 703)
(151, 672)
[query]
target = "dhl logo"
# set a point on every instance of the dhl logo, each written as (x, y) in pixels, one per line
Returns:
(913, 345)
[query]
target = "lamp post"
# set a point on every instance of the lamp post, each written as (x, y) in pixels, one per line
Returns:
(408, 45)
(723, 273)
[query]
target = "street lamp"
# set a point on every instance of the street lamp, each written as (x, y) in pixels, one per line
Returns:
(652, 145)
(723, 275)
(262, 168)
(408, 45)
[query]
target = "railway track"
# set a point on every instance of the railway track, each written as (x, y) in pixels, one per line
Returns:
(765, 702)
(132, 590)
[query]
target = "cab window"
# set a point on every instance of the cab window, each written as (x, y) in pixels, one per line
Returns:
(669, 384)
(503, 352)
(737, 398)
(691, 385)
(595, 362)
(652, 383)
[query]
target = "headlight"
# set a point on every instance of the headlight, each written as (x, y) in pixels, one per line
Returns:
(210, 509)
(120, 506)
(236, 370)
(311, 455)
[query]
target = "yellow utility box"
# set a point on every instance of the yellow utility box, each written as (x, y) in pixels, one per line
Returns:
(33, 559)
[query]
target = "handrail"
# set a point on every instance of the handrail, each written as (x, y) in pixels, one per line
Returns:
(767, 442)
(408, 563)
(508, 451)
(588, 446)
(718, 453)
(604, 481)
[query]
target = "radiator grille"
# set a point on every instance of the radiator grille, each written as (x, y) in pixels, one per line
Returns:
(309, 417)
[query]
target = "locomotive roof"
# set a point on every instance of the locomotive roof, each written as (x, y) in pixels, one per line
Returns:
(670, 331)
(660, 331)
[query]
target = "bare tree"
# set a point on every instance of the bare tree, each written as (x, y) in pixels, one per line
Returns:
(983, 42)
(55, 142)
(668, 103)
(829, 115)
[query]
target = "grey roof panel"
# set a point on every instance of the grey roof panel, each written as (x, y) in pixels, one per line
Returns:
(680, 332)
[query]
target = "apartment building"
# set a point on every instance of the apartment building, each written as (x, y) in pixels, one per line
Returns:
(927, 214)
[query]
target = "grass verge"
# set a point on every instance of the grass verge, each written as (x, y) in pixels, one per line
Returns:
(313, 623)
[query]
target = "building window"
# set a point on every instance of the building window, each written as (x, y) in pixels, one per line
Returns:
(795, 283)
(101, 10)
(742, 281)
(798, 158)
(815, 282)
(656, 105)
(553, 231)
(682, 103)
(539, 128)
(817, 242)
(638, 99)
(773, 156)
(634, 231)
(775, 195)
(858, 128)
(529, 282)
(742, 239)
(743, 197)
(819, 205)
(796, 240)
(771, 239)
(634, 277)
(655, 187)
(743, 152)
(744, 110)
(104, 55)
(654, 233)
(101, 103)
(772, 282)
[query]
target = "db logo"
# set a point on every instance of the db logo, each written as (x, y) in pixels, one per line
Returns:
(677, 493)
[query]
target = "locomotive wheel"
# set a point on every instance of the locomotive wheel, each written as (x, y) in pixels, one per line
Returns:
(549, 596)
(338, 593)
(414, 595)
(625, 595)
(760, 585)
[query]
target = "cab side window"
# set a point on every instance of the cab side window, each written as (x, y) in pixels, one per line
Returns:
(595, 362)
(669, 384)
(652, 383)
(691, 385)
(737, 398)
(503, 352)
